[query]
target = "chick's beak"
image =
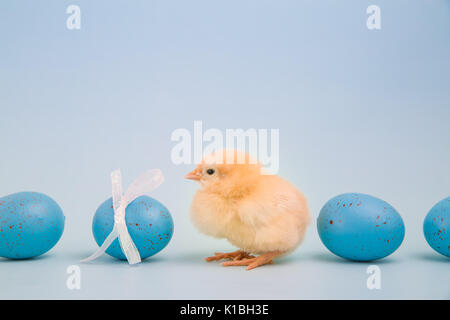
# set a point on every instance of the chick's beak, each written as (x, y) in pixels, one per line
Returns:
(193, 175)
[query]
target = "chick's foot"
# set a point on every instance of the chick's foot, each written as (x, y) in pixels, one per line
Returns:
(254, 262)
(235, 256)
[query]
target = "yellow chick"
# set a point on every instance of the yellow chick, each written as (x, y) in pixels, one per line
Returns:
(260, 214)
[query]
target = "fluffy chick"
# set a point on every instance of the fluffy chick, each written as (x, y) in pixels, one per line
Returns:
(260, 214)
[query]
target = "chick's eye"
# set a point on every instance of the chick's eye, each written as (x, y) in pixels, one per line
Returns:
(210, 171)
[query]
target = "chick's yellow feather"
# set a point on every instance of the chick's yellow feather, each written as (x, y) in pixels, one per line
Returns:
(256, 213)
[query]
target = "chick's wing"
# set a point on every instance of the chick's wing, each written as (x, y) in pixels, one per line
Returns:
(274, 199)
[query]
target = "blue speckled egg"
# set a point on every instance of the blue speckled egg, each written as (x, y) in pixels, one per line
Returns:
(436, 227)
(360, 227)
(31, 224)
(149, 223)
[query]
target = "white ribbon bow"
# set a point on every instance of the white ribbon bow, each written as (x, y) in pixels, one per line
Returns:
(144, 184)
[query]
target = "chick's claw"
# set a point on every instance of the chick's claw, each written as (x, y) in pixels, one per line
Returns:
(243, 255)
(235, 256)
(253, 262)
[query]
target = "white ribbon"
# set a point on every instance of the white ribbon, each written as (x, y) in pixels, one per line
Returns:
(144, 184)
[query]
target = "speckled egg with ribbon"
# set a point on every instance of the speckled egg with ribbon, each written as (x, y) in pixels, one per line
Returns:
(31, 224)
(436, 227)
(360, 227)
(149, 224)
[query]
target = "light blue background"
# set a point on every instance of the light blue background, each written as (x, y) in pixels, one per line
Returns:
(358, 110)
